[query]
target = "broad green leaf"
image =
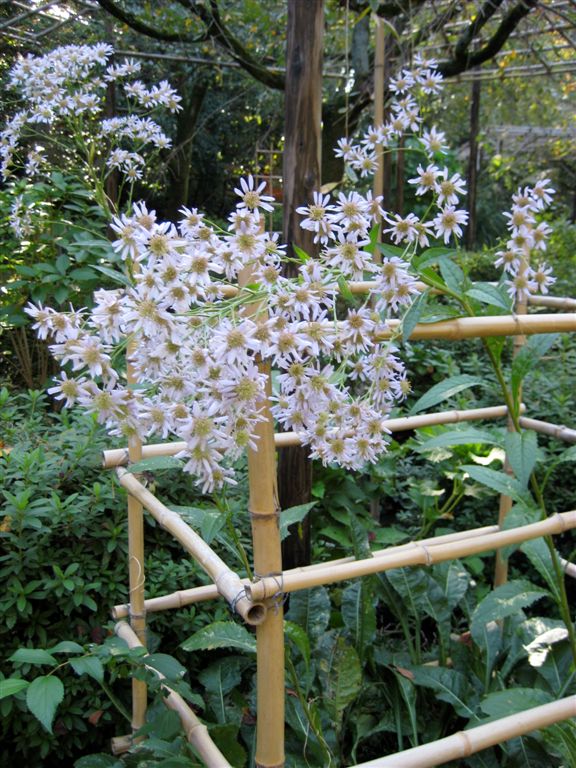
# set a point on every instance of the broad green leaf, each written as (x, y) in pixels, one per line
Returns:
(526, 359)
(67, 646)
(310, 608)
(444, 390)
(296, 634)
(42, 698)
(449, 685)
(340, 674)
(454, 580)
(221, 634)
(432, 256)
(12, 685)
(155, 463)
(345, 291)
(391, 250)
(165, 664)
(433, 279)
(502, 602)
(98, 761)
(491, 295)
(503, 703)
(500, 482)
(33, 656)
(222, 676)
(83, 273)
(359, 613)
(412, 316)
(465, 436)
(539, 555)
(292, 516)
(452, 274)
(88, 665)
(522, 452)
(568, 455)
(226, 739)
(408, 693)
(113, 274)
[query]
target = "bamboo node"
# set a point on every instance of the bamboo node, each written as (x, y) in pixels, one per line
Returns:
(264, 515)
(561, 522)
(141, 577)
(467, 744)
(427, 555)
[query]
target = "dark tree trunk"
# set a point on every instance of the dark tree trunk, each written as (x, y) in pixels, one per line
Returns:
(301, 173)
(472, 181)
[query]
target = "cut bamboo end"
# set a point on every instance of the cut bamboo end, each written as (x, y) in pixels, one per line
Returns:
(421, 554)
(121, 744)
(229, 584)
(119, 456)
(196, 732)
(465, 743)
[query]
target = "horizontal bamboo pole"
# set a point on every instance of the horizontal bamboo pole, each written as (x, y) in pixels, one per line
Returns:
(568, 567)
(118, 456)
(466, 743)
(546, 428)
(209, 592)
(421, 554)
(229, 584)
(480, 327)
(552, 302)
(196, 732)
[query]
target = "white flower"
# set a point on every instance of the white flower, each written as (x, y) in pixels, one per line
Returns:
(251, 197)
(448, 221)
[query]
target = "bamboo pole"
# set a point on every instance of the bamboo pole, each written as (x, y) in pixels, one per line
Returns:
(421, 555)
(136, 575)
(466, 743)
(118, 456)
(209, 592)
(552, 302)
(196, 732)
(228, 583)
(546, 428)
(480, 327)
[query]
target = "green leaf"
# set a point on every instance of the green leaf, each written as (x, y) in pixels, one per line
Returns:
(522, 452)
(432, 256)
(449, 685)
(412, 316)
(42, 698)
(154, 464)
(98, 761)
(83, 274)
(526, 359)
(391, 250)
(491, 295)
(310, 608)
(165, 664)
(465, 436)
(88, 665)
(500, 482)
(340, 674)
(292, 516)
(33, 656)
(62, 263)
(298, 636)
(452, 274)
(502, 602)
(503, 703)
(444, 390)
(226, 739)
(539, 555)
(345, 291)
(433, 279)
(359, 613)
(67, 646)
(11, 686)
(221, 634)
(113, 274)
(222, 676)
(302, 255)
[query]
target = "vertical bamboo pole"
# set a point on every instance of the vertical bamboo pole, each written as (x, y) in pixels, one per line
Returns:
(501, 563)
(379, 81)
(265, 515)
(136, 574)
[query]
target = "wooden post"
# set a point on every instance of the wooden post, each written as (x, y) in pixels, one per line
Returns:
(301, 177)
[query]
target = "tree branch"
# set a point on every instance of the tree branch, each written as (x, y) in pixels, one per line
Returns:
(464, 60)
(144, 29)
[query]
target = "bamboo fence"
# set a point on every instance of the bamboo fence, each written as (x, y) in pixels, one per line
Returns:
(196, 732)
(259, 601)
(465, 743)
(227, 582)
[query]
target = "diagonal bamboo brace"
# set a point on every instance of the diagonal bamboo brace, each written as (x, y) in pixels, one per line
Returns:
(196, 732)
(228, 583)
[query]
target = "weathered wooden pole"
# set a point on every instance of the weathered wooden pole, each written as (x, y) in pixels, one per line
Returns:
(472, 181)
(301, 175)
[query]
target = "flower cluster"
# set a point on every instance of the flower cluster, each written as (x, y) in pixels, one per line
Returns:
(69, 85)
(195, 341)
(527, 237)
(409, 87)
